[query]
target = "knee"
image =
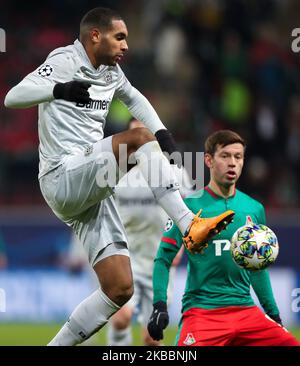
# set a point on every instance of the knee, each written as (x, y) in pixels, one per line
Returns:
(140, 136)
(121, 293)
(124, 294)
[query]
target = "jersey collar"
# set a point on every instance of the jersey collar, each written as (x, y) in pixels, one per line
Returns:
(88, 67)
(214, 195)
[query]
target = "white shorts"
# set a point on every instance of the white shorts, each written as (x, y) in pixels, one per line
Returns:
(77, 194)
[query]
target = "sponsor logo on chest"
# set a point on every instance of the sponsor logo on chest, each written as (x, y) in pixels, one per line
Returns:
(95, 104)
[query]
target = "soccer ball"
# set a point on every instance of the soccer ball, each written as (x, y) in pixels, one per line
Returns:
(254, 247)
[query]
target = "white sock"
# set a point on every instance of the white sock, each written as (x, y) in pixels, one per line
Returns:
(119, 337)
(87, 318)
(158, 173)
(173, 204)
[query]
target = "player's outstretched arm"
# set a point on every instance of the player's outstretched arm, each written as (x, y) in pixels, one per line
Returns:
(28, 94)
(141, 109)
(159, 319)
(52, 80)
(262, 287)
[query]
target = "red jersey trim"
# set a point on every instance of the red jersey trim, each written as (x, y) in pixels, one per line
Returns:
(212, 193)
(169, 240)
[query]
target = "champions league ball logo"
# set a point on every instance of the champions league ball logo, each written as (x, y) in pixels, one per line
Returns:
(45, 70)
(169, 225)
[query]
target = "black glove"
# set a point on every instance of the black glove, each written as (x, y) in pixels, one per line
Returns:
(158, 321)
(167, 143)
(73, 91)
(276, 319)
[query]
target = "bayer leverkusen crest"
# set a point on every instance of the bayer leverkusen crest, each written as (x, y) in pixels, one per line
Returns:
(108, 78)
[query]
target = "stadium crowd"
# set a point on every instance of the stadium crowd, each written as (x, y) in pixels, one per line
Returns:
(204, 65)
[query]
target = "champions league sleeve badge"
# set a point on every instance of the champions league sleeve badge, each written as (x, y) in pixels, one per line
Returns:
(45, 70)
(168, 225)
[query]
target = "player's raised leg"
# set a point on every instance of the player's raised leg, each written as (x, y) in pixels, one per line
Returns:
(157, 171)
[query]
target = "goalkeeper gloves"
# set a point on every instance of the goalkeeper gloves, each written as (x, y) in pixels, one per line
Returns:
(158, 321)
(73, 91)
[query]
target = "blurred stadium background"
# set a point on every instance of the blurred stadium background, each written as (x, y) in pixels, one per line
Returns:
(204, 65)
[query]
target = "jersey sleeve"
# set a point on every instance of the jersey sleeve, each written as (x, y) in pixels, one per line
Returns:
(57, 68)
(137, 104)
(37, 87)
(261, 215)
(172, 237)
(260, 280)
(169, 246)
(123, 85)
(261, 285)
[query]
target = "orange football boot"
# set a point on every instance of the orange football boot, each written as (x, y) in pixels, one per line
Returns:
(201, 230)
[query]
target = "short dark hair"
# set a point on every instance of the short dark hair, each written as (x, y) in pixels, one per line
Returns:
(99, 17)
(222, 138)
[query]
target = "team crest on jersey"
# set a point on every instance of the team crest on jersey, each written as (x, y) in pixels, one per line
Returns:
(189, 339)
(108, 77)
(88, 150)
(249, 220)
(169, 224)
(45, 70)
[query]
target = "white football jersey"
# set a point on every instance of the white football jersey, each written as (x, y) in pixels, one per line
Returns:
(143, 218)
(68, 127)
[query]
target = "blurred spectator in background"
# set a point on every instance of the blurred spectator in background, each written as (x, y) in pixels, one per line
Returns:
(205, 65)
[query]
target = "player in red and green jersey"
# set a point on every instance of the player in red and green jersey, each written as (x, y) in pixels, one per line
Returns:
(217, 308)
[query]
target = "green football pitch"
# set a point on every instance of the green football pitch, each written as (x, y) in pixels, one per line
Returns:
(41, 334)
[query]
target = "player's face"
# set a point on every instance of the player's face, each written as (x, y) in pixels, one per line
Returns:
(112, 45)
(226, 164)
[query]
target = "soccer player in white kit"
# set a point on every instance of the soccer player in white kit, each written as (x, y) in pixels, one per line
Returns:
(74, 88)
(144, 221)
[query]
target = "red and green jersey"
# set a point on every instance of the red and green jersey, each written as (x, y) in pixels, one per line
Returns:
(213, 279)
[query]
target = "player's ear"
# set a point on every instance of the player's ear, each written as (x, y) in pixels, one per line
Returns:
(95, 35)
(208, 160)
